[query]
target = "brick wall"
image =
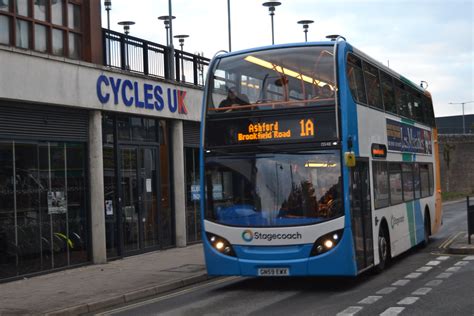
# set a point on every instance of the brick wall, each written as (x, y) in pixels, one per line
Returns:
(457, 163)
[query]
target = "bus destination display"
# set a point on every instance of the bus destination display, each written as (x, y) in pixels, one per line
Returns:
(320, 127)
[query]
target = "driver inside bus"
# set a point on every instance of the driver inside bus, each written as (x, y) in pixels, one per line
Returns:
(233, 98)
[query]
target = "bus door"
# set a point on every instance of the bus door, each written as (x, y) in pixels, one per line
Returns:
(361, 214)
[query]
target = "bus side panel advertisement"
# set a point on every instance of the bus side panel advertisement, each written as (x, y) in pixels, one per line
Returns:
(408, 138)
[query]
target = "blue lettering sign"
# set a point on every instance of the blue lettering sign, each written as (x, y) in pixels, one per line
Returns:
(159, 103)
(102, 80)
(148, 96)
(126, 101)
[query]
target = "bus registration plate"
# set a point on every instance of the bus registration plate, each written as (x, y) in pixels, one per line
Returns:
(273, 271)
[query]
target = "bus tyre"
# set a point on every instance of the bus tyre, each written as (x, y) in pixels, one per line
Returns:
(427, 231)
(384, 249)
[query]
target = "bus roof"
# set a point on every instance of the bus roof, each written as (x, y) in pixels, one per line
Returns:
(330, 43)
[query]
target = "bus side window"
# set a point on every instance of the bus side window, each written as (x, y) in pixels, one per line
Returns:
(372, 84)
(356, 78)
(388, 93)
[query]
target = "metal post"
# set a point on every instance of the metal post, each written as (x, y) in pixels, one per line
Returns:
(271, 8)
(228, 20)
(463, 118)
(171, 56)
(108, 7)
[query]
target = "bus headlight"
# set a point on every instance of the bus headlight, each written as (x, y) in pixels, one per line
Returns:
(220, 244)
(326, 243)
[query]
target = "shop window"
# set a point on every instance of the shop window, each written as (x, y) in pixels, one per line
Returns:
(193, 197)
(43, 214)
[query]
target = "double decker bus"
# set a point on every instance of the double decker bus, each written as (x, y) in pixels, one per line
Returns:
(315, 160)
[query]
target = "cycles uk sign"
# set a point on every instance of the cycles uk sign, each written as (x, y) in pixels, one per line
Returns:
(152, 97)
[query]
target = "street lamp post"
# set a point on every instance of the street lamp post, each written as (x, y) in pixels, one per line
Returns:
(126, 29)
(306, 24)
(181, 38)
(271, 8)
(463, 119)
(228, 25)
(166, 21)
(108, 7)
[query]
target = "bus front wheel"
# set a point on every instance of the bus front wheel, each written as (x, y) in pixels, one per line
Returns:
(384, 249)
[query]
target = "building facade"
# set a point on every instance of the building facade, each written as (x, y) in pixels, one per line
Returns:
(98, 154)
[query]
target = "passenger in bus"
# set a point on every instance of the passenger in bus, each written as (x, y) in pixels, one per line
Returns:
(326, 92)
(233, 99)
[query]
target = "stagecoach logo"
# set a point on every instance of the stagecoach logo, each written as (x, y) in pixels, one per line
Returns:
(247, 235)
(396, 220)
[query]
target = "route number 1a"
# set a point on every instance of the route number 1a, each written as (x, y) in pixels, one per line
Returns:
(307, 128)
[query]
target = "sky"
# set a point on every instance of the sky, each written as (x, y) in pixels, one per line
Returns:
(429, 40)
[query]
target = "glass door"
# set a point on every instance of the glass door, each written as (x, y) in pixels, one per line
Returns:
(130, 199)
(140, 196)
(361, 214)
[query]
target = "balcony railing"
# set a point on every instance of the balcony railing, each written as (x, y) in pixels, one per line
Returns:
(140, 56)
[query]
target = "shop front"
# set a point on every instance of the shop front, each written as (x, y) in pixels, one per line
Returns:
(43, 189)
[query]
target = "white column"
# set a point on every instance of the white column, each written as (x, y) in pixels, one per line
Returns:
(178, 182)
(96, 187)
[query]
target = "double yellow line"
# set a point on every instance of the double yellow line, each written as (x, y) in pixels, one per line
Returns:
(450, 240)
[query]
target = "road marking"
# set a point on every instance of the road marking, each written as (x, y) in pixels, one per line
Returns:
(442, 258)
(434, 283)
(424, 269)
(444, 275)
(401, 282)
(468, 258)
(421, 291)
(370, 299)
(408, 300)
(386, 290)
(433, 263)
(351, 310)
(449, 241)
(453, 269)
(461, 263)
(171, 295)
(392, 311)
(413, 275)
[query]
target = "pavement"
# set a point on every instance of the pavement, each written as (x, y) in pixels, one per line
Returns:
(93, 288)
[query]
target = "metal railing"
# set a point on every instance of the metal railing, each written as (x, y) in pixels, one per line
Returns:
(140, 56)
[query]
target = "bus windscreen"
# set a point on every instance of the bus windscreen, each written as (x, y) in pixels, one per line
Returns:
(269, 190)
(269, 79)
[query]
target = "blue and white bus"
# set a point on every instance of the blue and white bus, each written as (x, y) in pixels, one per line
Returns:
(315, 160)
